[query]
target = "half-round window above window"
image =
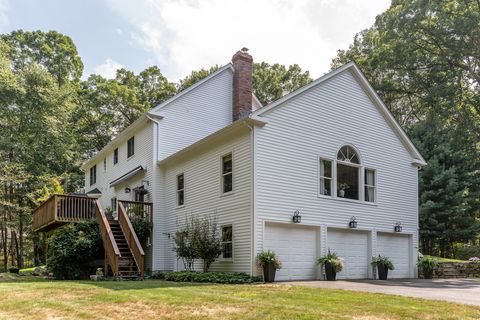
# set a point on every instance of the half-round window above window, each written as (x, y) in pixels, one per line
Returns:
(348, 154)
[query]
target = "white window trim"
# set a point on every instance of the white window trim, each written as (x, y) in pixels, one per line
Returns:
(361, 177)
(375, 172)
(222, 194)
(113, 156)
(133, 154)
(221, 258)
(177, 190)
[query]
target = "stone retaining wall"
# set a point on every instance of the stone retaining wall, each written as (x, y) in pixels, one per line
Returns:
(467, 269)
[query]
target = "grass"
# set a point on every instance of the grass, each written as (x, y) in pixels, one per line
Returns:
(440, 259)
(23, 297)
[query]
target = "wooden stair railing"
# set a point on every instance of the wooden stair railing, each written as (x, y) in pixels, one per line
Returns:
(112, 254)
(132, 239)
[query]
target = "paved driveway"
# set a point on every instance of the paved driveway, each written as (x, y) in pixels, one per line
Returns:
(454, 290)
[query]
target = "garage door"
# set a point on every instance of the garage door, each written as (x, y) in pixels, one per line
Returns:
(352, 246)
(296, 247)
(396, 247)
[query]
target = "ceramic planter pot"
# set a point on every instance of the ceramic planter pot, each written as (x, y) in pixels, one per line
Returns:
(382, 272)
(269, 272)
(427, 274)
(330, 272)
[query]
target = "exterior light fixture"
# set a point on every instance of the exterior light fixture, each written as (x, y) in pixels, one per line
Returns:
(353, 222)
(127, 190)
(398, 227)
(297, 218)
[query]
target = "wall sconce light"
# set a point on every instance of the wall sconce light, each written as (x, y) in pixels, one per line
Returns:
(127, 190)
(353, 222)
(297, 218)
(398, 227)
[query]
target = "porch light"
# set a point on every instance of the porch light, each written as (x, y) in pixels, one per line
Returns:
(398, 227)
(127, 190)
(353, 222)
(297, 218)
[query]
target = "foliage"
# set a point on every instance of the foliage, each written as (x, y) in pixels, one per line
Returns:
(383, 261)
(266, 257)
(158, 275)
(466, 252)
(47, 191)
(195, 76)
(142, 228)
(214, 277)
(71, 247)
(332, 258)
(271, 82)
(427, 263)
(198, 239)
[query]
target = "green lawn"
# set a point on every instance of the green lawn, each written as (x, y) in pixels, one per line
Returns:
(25, 298)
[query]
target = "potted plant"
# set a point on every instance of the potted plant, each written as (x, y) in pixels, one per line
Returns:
(270, 263)
(332, 265)
(383, 264)
(427, 264)
(342, 187)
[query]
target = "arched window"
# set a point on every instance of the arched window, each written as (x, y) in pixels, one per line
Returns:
(348, 173)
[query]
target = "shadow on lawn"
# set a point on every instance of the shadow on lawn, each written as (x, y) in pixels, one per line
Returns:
(425, 283)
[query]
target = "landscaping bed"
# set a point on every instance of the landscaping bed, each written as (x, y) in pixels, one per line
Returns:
(212, 277)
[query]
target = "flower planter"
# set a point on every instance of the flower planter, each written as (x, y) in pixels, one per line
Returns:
(269, 272)
(330, 272)
(382, 272)
(427, 274)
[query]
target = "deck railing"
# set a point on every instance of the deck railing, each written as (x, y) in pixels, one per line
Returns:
(138, 209)
(61, 209)
(112, 253)
(131, 238)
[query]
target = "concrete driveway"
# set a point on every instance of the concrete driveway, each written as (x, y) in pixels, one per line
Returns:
(465, 291)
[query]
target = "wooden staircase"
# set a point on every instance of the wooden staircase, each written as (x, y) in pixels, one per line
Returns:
(124, 255)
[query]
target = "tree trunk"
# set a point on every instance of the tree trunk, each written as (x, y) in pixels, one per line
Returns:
(5, 246)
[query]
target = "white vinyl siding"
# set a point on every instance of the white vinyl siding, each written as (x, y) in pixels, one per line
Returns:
(316, 124)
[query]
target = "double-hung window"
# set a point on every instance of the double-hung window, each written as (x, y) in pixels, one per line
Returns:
(115, 156)
(130, 147)
(104, 164)
(180, 189)
(325, 177)
(227, 173)
(370, 185)
(93, 175)
(113, 204)
(227, 242)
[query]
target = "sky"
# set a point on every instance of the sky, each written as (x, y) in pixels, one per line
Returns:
(184, 35)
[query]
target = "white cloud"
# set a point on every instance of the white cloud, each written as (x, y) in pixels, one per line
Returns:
(189, 34)
(3, 14)
(108, 69)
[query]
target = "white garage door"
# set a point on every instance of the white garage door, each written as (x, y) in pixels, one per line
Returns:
(396, 247)
(296, 247)
(352, 246)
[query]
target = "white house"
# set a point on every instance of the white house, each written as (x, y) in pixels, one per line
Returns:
(330, 152)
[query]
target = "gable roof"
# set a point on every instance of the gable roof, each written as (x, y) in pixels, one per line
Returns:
(149, 115)
(360, 77)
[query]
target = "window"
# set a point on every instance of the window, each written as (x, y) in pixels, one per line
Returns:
(369, 185)
(180, 190)
(130, 147)
(227, 242)
(93, 175)
(325, 177)
(113, 204)
(104, 164)
(115, 156)
(227, 173)
(348, 173)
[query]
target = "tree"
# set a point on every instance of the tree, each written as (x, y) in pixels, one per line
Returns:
(195, 76)
(53, 50)
(271, 82)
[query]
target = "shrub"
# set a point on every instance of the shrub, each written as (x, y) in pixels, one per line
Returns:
(213, 277)
(336, 262)
(466, 252)
(385, 261)
(141, 227)
(158, 275)
(268, 256)
(71, 247)
(198, 239)
(427, 263)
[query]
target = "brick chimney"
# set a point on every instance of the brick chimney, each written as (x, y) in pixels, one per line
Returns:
(242, 84)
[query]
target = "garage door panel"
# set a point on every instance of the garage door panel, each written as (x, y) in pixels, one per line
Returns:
(352, 246)
(397, 248)
(296, 247)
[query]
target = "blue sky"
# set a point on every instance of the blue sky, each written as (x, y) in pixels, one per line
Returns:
(183, 35)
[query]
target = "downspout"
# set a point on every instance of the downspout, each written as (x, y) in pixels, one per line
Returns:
(252, 198)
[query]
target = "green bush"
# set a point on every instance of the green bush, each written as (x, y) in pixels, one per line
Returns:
(467, 252)
(213, 277)
(72, 247)
(142, 228)
(385, 261)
